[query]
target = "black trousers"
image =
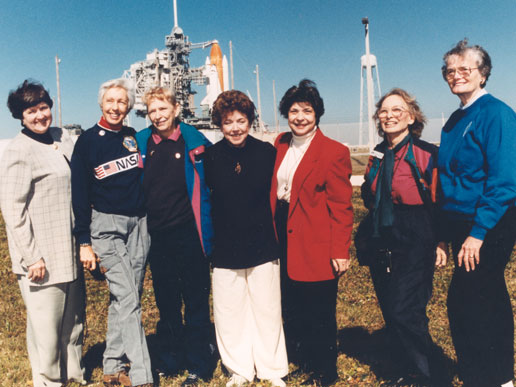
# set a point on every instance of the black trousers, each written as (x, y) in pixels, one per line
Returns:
(403, 292)
(479, 308)
(181, 273)
(308, 310)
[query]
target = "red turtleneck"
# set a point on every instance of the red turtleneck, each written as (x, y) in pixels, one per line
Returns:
(106, 125)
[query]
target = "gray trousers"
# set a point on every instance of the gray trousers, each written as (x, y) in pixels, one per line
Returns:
(122, 243)
(55, 315)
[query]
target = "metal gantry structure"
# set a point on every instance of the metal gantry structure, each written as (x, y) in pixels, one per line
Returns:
(170, 68)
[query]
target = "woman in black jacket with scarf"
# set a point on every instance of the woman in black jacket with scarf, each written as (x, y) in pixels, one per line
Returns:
(399, 193)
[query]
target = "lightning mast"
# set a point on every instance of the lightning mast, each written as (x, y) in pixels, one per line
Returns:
(368, 62)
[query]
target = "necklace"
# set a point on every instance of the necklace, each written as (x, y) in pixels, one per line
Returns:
(238, 168)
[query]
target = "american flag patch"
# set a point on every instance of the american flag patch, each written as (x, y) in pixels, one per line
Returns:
(119, 165)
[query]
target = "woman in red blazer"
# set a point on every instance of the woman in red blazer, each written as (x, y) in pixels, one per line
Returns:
(311, 202)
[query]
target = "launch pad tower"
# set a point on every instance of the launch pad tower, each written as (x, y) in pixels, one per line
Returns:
(170, 68)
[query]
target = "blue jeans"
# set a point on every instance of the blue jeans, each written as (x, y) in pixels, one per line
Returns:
(122, 244)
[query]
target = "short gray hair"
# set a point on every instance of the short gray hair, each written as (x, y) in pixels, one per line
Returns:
(123, 83)
(461, 49)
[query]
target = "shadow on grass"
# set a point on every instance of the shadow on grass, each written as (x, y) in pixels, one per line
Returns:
(374, 349)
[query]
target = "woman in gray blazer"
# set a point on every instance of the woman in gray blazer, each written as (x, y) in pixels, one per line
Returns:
(35, 199)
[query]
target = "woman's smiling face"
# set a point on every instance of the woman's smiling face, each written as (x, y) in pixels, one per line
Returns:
(395, 116)
(37, 118)
(301, 118)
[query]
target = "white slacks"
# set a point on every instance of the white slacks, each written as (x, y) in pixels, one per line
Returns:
(55, 315)
(247, 313)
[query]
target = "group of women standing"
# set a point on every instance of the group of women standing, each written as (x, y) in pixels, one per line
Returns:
(282, 220)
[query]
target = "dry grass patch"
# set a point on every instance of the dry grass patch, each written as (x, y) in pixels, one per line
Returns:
(363, 360)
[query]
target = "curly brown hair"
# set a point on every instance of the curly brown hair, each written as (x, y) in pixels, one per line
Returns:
(230, 101)
(415, 128)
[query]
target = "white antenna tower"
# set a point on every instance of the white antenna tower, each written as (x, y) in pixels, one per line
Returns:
(175, 14)
(367, 63)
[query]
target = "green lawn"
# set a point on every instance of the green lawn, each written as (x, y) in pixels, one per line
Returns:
(363, 358)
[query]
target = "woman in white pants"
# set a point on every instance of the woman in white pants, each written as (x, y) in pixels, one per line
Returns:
(246, 276)
(35, 199)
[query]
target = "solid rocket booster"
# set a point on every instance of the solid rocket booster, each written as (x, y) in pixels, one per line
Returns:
(216, 60)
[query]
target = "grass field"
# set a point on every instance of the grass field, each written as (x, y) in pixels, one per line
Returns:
(364, 359)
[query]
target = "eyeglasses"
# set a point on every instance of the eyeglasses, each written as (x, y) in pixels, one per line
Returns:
(462, 71)
(396, 112)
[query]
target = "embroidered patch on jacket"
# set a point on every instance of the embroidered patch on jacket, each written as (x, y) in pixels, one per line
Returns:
(116, 166)
(130, 143)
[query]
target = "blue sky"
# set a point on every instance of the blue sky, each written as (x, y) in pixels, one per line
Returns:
(290, 40)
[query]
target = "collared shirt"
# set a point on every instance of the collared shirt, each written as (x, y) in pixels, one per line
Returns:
(479, 94)
(173, 136)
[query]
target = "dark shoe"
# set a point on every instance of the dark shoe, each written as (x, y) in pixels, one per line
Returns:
(169, 364)
(119, 379)
(192, 380)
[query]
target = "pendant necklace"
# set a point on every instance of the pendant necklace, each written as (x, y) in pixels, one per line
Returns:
(238, 168)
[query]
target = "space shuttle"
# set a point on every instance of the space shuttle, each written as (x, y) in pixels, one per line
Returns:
(216, 71)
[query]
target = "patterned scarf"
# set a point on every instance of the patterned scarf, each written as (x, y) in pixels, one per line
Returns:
(383, 215)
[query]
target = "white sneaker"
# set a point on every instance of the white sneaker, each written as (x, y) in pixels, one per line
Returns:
(236, 380)
(278, 382)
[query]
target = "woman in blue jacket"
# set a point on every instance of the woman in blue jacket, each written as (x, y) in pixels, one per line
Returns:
(478, 181)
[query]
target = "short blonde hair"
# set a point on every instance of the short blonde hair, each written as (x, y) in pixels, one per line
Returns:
(160, 93)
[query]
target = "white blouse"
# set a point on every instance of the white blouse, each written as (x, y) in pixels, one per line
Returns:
(297, 149)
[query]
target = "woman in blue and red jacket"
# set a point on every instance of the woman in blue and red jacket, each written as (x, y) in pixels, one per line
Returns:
(399, 191)
(179, 220)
